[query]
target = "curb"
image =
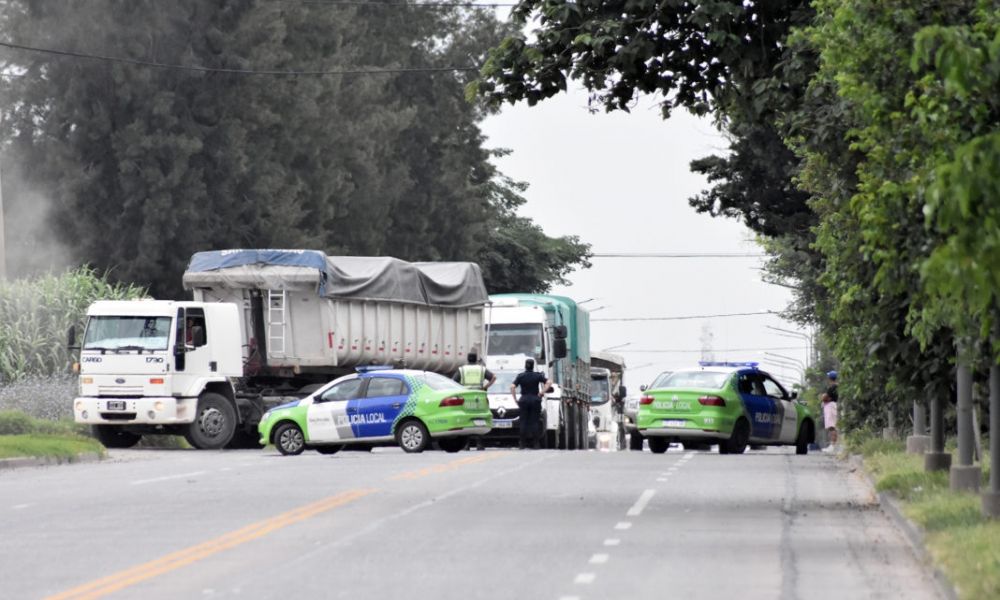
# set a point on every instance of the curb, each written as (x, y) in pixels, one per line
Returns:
(9, 464)
(911, 531)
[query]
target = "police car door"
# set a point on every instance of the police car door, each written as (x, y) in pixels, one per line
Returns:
(786, 429)
(759, 406)
(384, 399)
(327, 417)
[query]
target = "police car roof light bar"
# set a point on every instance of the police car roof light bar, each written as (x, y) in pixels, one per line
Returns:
(725, 363)
(368, 368)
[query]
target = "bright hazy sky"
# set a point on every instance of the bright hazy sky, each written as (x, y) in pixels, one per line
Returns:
(621, 182)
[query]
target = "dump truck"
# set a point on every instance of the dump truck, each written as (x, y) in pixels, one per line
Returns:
(554, 331)
(263, 327)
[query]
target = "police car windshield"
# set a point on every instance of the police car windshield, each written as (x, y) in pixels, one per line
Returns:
(695, 379)
(127, 333)
(439, 382)
(662, 377)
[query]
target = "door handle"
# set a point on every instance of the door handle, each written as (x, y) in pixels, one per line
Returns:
(395, 405)
(352, 410)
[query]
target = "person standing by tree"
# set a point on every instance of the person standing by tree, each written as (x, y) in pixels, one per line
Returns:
(829, 398)
(476, 377)
(530, 403)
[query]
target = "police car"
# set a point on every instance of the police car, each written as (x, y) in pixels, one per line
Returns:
(724, 403)
(379, 406)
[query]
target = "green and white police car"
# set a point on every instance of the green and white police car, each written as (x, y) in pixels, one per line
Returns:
(724, 403)
(379, 406)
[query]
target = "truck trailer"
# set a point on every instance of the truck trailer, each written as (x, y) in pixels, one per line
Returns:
(555, 332)
(265, 326)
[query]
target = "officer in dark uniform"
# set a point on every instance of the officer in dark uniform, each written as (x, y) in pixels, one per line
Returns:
(532, 385)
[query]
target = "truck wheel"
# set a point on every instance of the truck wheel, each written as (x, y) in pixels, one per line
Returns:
(455, 444)
(412, 436)
(805, 437)
(214, 424)
(552, 439)
(635, 441)
(658, 445)
(328, 449)
(114, 437)
(288, 439)
(245, 440)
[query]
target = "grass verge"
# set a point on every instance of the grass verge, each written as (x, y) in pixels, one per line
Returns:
(40, 445)
(962, 542)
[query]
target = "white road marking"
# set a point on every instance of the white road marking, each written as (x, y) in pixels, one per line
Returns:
(623, 525)
(167, 478)
(223, 469)
(661, 479)
(585, 578)
(612, 542)
(641, 503)
(569, 598)
(20, 506)
(598, 559)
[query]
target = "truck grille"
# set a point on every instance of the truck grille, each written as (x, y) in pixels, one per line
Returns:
(119, 390)
(509, 413)
(118, 416)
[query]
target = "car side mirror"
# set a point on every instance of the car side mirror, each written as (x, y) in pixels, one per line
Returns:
(795, 396)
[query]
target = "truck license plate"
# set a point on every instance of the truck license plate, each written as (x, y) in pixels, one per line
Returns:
(116, 405)
(502, 423)
(674, 423)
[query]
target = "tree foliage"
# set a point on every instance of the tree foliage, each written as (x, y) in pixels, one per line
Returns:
(144, 166)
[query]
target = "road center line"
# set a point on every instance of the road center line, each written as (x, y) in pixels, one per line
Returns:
(640, 504)
(167, 478)
(623, 525)
(612, 542)
(171, 562)
(585, 578)
(599, 559)
(20, 506)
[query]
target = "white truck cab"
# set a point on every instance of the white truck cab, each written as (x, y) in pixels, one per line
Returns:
(155, 366)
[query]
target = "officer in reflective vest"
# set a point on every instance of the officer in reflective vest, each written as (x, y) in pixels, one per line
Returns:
(477, 377)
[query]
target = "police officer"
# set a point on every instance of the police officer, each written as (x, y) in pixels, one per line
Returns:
(477, 377)
(532, 386)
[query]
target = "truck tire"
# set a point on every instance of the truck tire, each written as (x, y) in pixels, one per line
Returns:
(552, 439)
(245, 440)
(214, 423)
(635, 441)
(114, 437)
(455, 444)
(289, 440)
(412, 436)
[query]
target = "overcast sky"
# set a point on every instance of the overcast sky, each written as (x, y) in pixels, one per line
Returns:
(621, 182)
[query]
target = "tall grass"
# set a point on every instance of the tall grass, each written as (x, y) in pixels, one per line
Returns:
(36, 313)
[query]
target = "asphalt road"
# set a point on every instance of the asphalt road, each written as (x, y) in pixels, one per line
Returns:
(499, 524)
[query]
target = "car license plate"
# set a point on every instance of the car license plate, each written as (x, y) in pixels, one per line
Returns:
(479, 422)
(116, 405)
(674, 423)
(502, 423)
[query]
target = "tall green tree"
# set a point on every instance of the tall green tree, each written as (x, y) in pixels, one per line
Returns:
(145, 165)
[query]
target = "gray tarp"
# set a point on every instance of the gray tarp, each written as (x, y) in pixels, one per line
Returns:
(389, 279)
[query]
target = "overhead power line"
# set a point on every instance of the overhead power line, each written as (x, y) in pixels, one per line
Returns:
(203, 69)
(390, 3)
(694, 351)
(676, 255)
(689, 317)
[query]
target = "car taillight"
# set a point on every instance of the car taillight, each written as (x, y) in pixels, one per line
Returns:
(646, 400)
(453, 401)
(711, 401)
(156, 380)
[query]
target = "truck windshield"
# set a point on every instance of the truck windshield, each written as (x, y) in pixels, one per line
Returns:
(600, 390)
(127, 333)
(516, 338)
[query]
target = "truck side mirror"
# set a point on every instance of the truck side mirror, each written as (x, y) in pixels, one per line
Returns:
(560, 332)
(622, 392)
(559, 348)
(71, 338)
(642, 388)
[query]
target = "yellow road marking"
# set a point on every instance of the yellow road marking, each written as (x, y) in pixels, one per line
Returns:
(117, 581)
(451, 466)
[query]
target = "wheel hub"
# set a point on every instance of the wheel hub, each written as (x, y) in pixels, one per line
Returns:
(291, 440)
(411, 437)
(212, 422)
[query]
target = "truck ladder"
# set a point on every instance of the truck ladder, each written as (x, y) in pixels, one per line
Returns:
(276, 321)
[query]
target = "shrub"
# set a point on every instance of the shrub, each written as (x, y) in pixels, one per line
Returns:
(16, 423)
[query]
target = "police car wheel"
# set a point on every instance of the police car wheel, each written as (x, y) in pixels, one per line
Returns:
(455, 444)
(412, 436)
(289, 440)
(737, 443)
(658, 445)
